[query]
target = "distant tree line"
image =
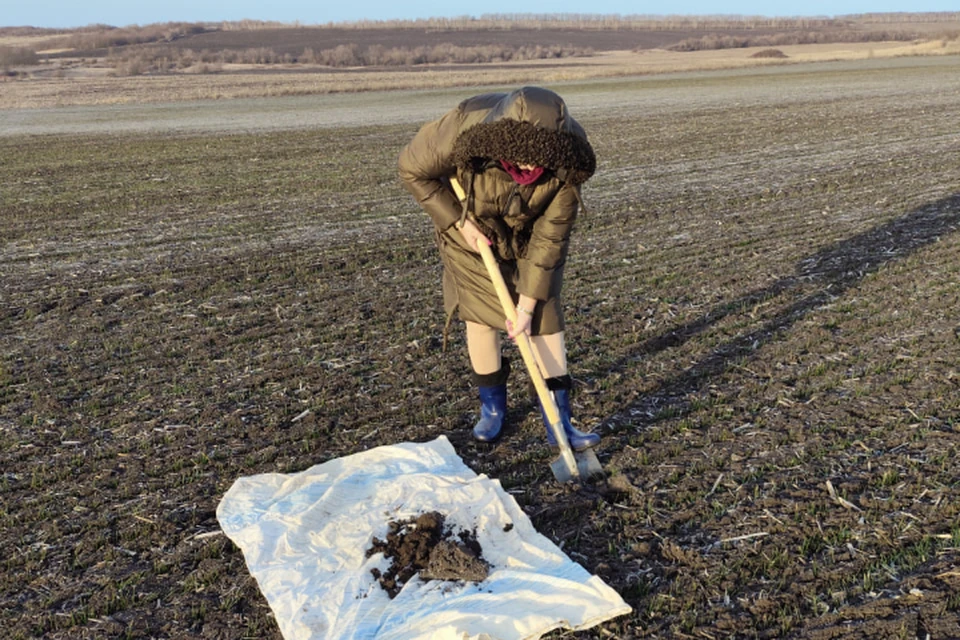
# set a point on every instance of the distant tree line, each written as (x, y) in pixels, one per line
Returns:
(128, 55)
(165, 60)
(897, 17)
(30, 31)
(104, 36)
(378, 55)
(17, 57)
(721, 41)
(644, 22)
(594, 22)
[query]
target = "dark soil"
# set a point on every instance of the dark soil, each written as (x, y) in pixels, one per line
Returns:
(424, 547)
(761, 304)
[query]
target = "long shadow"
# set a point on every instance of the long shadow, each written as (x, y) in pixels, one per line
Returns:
(833, 270)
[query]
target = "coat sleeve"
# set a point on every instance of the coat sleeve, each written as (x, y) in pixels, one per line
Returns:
(425, 164)
(541, 268)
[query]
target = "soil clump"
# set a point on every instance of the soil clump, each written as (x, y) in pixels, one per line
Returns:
(424, 546)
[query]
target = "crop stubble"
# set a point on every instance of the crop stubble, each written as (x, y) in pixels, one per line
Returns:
(761, 300)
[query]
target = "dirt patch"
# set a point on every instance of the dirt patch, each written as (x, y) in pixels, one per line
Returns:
(769, 53)
(424, 546)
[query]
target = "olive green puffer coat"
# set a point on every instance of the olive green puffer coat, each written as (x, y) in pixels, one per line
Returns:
(529, 225)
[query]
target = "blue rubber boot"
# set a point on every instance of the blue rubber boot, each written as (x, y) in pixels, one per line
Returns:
(579, 440)
(492, 389)
(493, 409)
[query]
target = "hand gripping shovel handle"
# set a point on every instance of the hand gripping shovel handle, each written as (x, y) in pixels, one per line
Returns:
(568, 470)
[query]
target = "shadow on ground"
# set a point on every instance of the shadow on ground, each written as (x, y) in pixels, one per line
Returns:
(832, 271)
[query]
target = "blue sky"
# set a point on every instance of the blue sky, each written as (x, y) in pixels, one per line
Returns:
(73, 13)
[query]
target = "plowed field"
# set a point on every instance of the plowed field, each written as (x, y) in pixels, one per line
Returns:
(762, 302)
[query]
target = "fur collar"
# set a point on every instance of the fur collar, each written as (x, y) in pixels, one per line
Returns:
(564, 152)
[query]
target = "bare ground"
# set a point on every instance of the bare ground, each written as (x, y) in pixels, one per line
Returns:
(762, 301)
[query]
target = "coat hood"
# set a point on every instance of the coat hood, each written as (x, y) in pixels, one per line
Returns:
(527, 126)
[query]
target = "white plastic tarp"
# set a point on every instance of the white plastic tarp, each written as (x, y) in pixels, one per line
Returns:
(305, 537)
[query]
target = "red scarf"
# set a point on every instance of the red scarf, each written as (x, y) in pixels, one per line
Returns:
(522, 176)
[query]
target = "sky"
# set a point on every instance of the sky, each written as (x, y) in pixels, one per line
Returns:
(74, 13)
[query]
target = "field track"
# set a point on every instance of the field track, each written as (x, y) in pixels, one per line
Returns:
(762, 301)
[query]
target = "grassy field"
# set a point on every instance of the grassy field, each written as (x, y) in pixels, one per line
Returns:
(762, 303)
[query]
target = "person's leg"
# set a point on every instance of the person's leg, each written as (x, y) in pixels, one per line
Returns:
(490, 373)
(483, 346)
(550, 352)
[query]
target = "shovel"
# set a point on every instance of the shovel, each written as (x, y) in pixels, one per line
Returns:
(570, 466)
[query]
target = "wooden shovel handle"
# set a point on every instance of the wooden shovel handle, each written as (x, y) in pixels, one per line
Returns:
(523, 340)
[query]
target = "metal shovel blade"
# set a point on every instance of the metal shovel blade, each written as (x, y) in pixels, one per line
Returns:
(564, 467)
(573, 465)
(561, 471)
(584, 466)
(588, 465)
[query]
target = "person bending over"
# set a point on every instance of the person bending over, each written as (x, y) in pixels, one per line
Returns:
(521, 160)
